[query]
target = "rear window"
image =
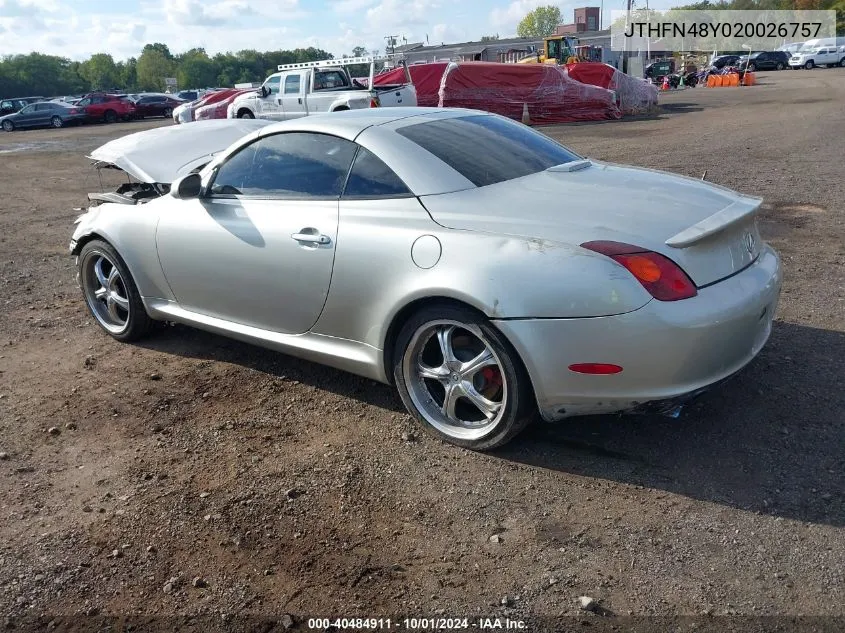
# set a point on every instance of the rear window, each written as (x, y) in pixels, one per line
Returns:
(488, 149)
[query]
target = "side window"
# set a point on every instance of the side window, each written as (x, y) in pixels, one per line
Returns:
(84, 102)
(273, 84)
(292, 84)
(329, 79)
(371, 178)
(295, 165)
(44, 106)
(28, 109)
(233, 175)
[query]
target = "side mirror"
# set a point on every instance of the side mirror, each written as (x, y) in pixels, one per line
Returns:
(187, 187)
(264, 91)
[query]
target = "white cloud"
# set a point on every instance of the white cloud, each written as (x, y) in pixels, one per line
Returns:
(351, 6)
(399, 14)
(227, 12)
(22, 8)
(441, 33)
(508, 18)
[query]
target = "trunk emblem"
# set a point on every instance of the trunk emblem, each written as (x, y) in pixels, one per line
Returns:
(749, 242)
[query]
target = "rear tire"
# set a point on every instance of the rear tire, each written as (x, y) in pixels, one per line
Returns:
(779, 67)
(110, 116)
(56, 121)
(110, 292)
(842, 62)
(168, 112)
(476, 394)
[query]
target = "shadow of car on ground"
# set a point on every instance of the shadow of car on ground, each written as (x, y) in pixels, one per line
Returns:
(770, 440)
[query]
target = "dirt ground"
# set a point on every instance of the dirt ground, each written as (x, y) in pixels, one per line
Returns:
(191, 475)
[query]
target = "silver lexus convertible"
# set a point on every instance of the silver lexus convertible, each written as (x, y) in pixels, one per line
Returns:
(480, 267)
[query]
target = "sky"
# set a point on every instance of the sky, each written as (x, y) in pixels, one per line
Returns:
(79, 28)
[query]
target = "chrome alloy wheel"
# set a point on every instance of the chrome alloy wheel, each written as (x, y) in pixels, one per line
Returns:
(105, 292)
(455, 379)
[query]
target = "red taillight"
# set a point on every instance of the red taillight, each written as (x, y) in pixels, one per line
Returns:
(662, 277)
(74, 111)
(600, 369)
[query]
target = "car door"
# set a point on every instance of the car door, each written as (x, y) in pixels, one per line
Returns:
(142, 106)
(26, 116)
(257, 247)
(292, 98)
(270, 107)
(325, 91)
(43, 113)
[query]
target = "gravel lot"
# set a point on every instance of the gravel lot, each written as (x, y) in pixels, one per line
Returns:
(193, 475)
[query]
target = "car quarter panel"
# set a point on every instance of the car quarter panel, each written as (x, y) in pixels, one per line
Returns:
(667, 349)
(375, 275)
(130, 229)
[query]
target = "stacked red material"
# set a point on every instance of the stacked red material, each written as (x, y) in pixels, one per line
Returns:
(633, 95)
(550, 95)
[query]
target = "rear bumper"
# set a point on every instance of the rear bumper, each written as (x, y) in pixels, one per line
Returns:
(669, 351)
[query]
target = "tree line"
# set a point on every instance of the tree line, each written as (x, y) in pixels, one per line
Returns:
(51, 75)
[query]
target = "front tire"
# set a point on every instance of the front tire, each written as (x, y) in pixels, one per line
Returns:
(842, 62)
(809, 65)
(8, 126)
(461, 379)
(110, 116)
(779, 66)
(245, 114)
(110, 293)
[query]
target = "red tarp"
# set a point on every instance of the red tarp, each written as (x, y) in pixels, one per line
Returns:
(633, 95)
(549, 93)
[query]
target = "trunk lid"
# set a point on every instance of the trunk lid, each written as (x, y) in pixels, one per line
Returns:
(708, 230)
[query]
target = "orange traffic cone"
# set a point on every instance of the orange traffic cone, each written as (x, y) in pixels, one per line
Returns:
(665, 85)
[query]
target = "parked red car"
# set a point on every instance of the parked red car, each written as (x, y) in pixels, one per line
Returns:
(155, 105)
(107, 107)
(216, 104)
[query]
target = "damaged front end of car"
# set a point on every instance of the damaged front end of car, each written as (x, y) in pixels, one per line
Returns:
(153, 159)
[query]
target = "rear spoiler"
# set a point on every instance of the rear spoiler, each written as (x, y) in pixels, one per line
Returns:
(736, 212)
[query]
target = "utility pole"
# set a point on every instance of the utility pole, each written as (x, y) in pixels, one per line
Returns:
(391, 43)
(625, 39)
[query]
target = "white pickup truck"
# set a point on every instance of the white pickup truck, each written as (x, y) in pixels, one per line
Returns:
(298, 90)
(818, 56)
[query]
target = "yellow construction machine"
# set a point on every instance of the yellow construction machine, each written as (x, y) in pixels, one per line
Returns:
(557, 49)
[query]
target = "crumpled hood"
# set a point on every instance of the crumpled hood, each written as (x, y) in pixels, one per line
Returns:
(163, 154)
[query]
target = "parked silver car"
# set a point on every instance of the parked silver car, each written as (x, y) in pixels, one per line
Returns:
(485, 270)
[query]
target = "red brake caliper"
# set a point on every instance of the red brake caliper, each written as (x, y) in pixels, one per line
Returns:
(492, 376)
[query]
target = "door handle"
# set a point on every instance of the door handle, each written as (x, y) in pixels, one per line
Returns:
(311, 238)
(300, 100)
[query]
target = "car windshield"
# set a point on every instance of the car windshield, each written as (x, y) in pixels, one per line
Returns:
(488, 149)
